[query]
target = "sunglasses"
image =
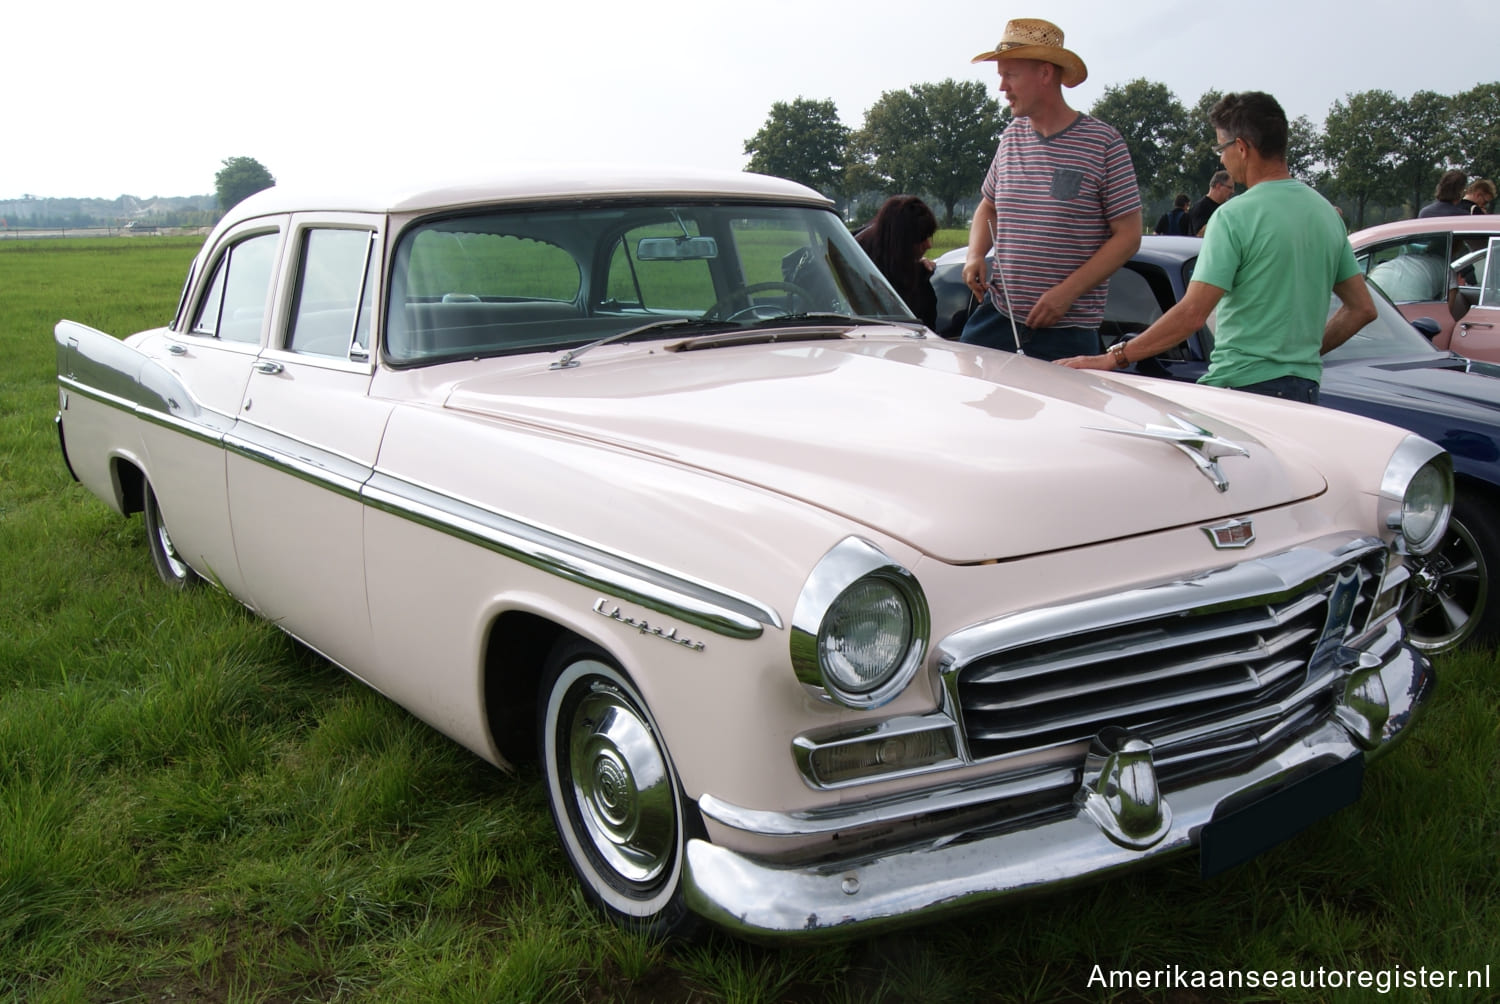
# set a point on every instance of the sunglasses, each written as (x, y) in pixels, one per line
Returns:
(1226, 145)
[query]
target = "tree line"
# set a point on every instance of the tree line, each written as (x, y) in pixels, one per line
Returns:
(1376, 155)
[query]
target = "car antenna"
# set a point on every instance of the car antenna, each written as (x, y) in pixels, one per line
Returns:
(1010, 314)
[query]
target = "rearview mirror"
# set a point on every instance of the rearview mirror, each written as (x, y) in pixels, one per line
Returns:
(676, 249)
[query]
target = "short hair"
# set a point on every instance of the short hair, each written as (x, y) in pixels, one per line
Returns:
(1182, 201)
(1483, 186)
(1450, 187)
(1256, 118)
(1220, 178)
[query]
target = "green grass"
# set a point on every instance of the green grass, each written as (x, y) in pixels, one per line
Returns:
(194, 808)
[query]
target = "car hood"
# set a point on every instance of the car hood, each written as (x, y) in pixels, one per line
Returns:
(1422, 381)
(965, 453)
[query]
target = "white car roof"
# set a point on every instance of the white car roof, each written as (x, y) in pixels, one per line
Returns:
(531, 184)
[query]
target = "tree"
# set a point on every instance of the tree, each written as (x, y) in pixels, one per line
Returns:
(803, 141)
(1199, 159)
(1155, 128)
(1359, 147)
(1476, 130)
(1424, 142)
(240, 178)
(931, 139)
(1304, 147)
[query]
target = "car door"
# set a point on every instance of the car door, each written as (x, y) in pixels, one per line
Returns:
(1477, 333)
(1416, 271)
(216, 342)
(307, 438)
(1140, 292)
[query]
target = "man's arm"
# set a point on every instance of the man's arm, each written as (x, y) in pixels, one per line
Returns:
(981, 240)
(1124, 240)
(1189, 314)
(1356, 310)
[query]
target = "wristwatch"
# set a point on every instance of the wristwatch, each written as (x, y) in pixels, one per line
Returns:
(1117, 352)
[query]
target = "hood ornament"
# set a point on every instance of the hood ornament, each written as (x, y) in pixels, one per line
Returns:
(1201, 446)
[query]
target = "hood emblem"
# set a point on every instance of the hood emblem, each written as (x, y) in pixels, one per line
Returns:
(1202, 447)
(1234, 534)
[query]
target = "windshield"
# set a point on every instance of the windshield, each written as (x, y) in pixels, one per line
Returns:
(1389, 334)
(501, 282)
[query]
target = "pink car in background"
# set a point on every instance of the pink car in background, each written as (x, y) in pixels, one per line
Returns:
(1437, 268)
(816, 622)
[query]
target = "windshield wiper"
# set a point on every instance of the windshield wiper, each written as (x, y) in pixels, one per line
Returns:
(919, 330)
(570, 358)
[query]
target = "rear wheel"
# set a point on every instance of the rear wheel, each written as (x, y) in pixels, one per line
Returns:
(613, 792)
(1449, 601)
(169, 564)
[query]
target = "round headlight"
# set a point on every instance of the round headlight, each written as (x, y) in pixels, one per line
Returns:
(1424, 508)
(865, 637)
(1417, 494)
(859, 630)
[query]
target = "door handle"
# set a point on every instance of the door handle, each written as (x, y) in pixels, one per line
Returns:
(268, 366)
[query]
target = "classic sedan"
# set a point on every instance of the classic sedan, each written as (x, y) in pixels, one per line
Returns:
(1389, 371)
(812, 618)
(1435, 268)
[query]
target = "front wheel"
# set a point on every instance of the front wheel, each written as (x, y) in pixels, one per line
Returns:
(613, 793)
(169, 564)
(1448, 601)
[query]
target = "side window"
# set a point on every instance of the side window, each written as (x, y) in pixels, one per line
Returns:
(1489, 293)
(1411, 270)
(234, 307)
(333, 268)
(667, 283)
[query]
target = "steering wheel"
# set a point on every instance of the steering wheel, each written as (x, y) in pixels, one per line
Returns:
(760, 311)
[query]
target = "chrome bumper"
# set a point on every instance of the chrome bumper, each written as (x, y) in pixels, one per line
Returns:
(859, 895)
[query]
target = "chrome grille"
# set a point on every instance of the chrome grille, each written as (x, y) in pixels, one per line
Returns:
(1175, 658)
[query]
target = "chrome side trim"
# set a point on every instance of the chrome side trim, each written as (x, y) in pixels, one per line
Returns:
(103, 369)
(657, 589)
(335, 472)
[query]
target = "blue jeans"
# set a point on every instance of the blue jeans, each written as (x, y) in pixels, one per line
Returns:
(1288, 388)
(990, 328)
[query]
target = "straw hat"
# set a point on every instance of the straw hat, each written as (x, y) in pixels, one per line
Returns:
(1033, 38)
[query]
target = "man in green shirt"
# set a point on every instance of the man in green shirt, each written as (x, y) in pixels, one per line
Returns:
(1269, 259)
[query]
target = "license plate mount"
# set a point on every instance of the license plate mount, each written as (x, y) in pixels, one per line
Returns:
(1245, 832)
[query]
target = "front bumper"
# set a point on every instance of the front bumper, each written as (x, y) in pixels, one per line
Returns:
(1090, 840)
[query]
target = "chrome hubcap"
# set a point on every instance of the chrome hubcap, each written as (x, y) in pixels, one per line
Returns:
(1448, 590)
(621, 785)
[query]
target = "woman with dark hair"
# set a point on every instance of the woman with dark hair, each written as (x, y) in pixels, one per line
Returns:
(895, 241)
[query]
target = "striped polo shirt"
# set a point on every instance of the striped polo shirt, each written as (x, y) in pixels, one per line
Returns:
(1054, 198)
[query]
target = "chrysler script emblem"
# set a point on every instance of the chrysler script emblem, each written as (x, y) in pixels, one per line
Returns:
(1201, 446)
(1236, 533)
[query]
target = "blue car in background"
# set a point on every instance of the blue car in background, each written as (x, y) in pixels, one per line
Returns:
(1389, 371)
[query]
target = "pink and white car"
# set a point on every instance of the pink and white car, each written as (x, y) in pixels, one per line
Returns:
(816, 622)
(1435, 268)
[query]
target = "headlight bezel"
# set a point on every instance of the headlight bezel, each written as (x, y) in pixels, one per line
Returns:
(851, 563)
(1423, 465)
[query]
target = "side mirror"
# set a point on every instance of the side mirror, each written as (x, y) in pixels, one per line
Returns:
(1428, 327)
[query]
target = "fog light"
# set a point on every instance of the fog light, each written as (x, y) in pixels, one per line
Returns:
(881, 756)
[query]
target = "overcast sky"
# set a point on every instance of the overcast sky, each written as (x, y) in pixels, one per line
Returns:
(106, 98)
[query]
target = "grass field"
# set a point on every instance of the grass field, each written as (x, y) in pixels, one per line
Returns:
(193, 808)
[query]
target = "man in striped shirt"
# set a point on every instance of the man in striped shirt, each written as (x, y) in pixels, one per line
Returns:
(1061, 210)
